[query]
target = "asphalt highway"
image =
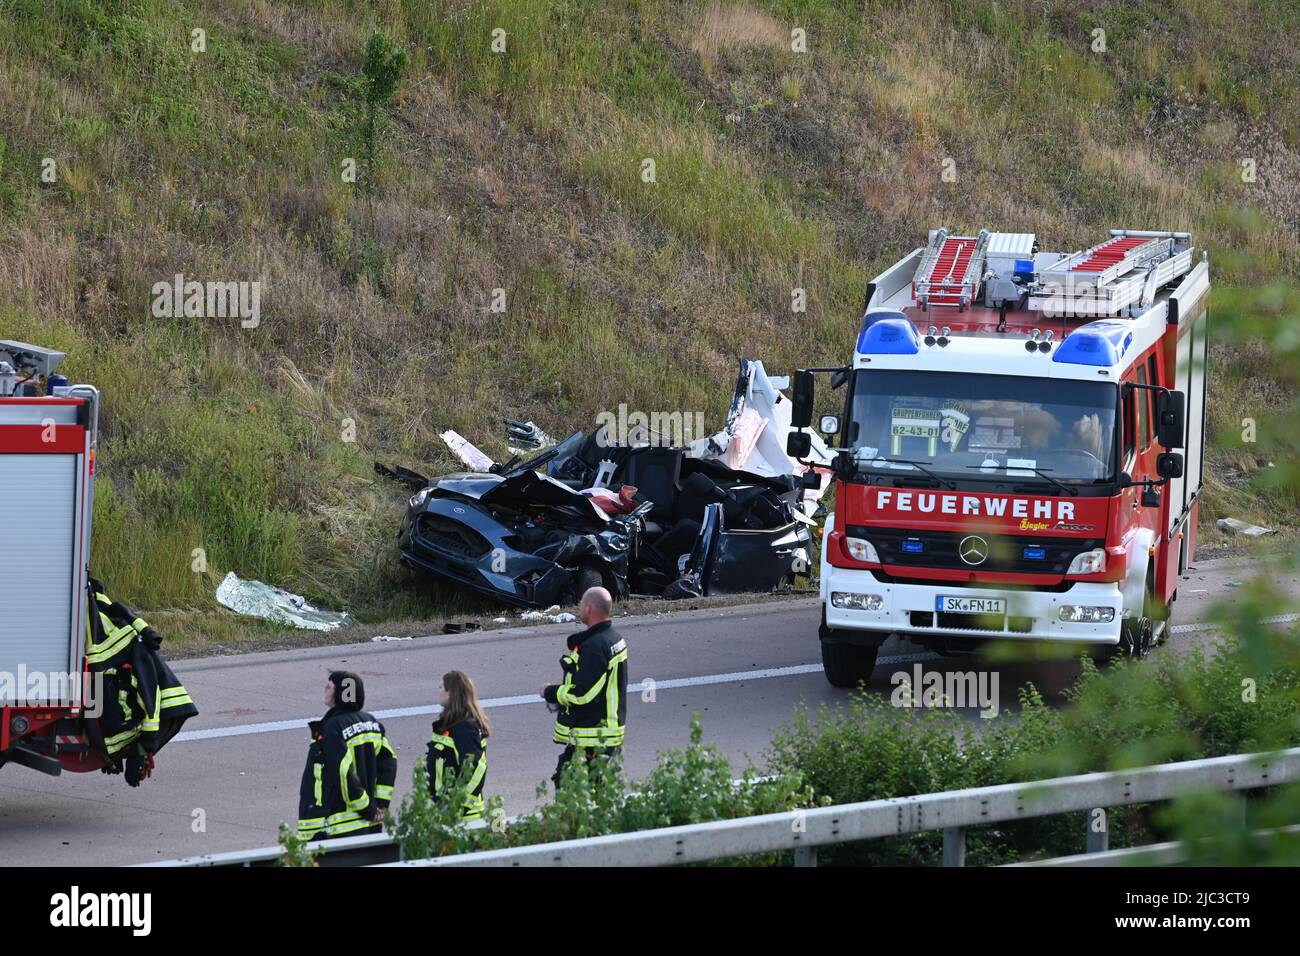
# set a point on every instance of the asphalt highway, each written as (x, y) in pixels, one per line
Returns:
(228, 780)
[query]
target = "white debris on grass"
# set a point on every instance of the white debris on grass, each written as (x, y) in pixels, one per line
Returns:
(466, 451)
(552, 614)
(265, 601)
(1234, 526)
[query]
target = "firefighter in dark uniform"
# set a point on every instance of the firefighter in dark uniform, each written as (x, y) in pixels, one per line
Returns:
(592, 699)
(459, 743)
(351, 767)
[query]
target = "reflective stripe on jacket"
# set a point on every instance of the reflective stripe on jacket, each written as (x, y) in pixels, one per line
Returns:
(141, 700)
(350, 772)
(592, 698)
(450, 751)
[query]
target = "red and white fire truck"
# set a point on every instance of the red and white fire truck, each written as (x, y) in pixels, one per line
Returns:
(48, 431)
(1021, 450)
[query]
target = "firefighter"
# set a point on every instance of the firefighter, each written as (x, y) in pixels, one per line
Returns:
(592, 698)
(459, 743)
(351, 766)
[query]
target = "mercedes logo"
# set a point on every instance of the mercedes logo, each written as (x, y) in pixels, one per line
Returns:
(973, 549)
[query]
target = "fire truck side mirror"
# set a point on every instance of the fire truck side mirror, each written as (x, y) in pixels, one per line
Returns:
(1169, 464)
(798, 445)
(844, 464)
(801, 413)
(1171, 418)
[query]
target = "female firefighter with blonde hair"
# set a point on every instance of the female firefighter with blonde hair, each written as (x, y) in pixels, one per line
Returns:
(459, 743)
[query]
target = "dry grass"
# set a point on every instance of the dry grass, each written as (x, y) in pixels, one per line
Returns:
(775, 170)
(735, 28)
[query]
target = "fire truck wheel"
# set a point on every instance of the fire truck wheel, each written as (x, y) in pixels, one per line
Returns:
(845, 665)
(1136, 638)
(848, 665)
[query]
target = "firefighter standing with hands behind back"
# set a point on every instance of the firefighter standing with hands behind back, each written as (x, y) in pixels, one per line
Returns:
(592, 698)
(351, 767)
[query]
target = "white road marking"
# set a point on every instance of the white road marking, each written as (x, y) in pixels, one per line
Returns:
(733, 677)
(424, 710)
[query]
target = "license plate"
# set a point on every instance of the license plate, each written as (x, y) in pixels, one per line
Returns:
(970, 605)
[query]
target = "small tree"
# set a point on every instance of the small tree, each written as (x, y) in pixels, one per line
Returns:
(381, 72)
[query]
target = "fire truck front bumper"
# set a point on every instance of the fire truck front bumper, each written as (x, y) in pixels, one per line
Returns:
(1086, 613)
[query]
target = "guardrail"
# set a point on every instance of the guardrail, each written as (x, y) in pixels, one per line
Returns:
(803, 831)
(1153, 854)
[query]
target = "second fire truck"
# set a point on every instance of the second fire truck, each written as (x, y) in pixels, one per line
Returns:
(1021, 449)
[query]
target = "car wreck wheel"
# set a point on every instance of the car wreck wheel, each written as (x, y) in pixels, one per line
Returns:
(584, 579)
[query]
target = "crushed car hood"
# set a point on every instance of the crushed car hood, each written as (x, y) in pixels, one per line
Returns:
(522, 491)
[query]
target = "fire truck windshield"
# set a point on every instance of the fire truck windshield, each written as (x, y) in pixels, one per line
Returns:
(966, 425)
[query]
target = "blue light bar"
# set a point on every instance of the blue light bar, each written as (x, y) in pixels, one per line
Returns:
(888, 333)
(1097, 343)
(913, 545)
(1035, 553)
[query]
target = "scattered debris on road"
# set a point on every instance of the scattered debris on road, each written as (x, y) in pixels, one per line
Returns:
(256, 599)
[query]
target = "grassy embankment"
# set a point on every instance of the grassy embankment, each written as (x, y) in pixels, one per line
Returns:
(522, 170)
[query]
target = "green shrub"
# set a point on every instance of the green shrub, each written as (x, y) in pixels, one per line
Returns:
(1168, 708)
(691, 785)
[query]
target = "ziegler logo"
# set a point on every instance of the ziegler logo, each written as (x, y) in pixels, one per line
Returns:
(979, 505)
(973, 549)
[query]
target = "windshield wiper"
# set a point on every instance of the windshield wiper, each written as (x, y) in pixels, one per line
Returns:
(943, 482)
(1038, 471)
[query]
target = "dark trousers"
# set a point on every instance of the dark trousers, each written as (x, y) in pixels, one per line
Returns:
(589, 754)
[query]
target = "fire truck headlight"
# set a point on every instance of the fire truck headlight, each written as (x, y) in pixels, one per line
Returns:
(860, 549)
(19, 725)
(1090, 562)
(857, 602)
(1086, 614)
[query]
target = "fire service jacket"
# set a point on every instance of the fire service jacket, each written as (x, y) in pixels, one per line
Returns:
(450, 750)
(350, 772)
(142, 704)
(592, 698)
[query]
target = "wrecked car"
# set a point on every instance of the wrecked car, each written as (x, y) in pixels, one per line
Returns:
(729, 513)
(517, 535)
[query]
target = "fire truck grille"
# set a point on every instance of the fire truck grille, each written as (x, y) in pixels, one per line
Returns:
(1022, 554)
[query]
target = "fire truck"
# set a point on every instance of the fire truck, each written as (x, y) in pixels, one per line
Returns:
(48, 433)
(1021, 448)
